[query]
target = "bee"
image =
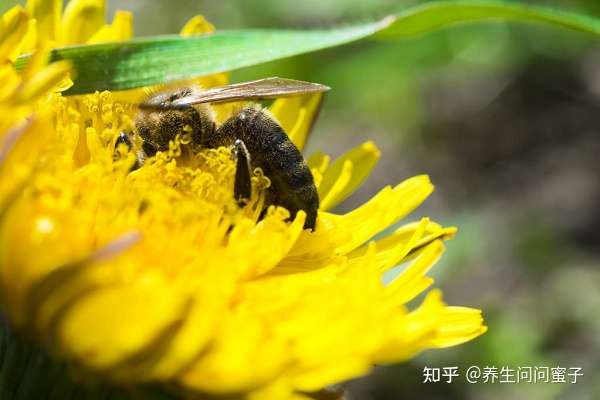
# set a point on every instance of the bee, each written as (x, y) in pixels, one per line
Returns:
(255, 137)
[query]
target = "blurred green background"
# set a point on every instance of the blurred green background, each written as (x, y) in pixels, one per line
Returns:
(505, 118)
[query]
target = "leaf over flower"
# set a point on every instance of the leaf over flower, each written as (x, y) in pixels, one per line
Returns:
(148, 61)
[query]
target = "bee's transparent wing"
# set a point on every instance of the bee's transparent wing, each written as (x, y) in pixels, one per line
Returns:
(268, 88)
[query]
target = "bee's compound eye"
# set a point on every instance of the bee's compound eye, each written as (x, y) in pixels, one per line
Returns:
(149, 149)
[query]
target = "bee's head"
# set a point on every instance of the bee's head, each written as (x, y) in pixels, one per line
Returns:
(159, 122)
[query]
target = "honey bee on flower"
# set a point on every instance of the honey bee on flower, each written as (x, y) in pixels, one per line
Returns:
(256, 138)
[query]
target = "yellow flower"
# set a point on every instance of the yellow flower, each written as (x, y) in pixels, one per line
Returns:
(156, 276)
(82, 21)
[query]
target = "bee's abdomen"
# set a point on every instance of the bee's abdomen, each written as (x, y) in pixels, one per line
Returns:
(292, 184)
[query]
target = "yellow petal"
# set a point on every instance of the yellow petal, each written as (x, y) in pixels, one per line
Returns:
(180, 348)
(15, 23)
(433, 231)
(280, 235)
(82, 19)
(387, 207)
(55, 291)
(47, 13)
(336, 371)
(297, 115)
(395, 247)
(319, 161)
(37, 80)
(338, 235)
(197, 25)
(412, 333)
(413, 280)
(346, 174)
(42, 232)
(30, 40)
(20, 150)
(109, 325)
(36, 62)
(10, 82)
(393, 254)
(120, 29)
(225, 367)
(45, 81)
(342, 180)
(458, 325)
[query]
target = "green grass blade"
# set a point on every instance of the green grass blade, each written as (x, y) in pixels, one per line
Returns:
(149, 61)
(436, 15)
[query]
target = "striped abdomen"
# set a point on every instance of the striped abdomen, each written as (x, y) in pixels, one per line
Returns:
(292, 184)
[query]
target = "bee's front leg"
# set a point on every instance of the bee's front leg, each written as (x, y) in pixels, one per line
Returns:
(123, 139)
(242, 187)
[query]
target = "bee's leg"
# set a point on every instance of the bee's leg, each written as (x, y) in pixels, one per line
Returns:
(124, 139)
(242, 187)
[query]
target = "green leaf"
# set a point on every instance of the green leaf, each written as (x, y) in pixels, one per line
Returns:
(435, 15)
(148, 61)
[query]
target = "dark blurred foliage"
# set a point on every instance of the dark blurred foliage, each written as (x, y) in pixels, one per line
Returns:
(506, 120)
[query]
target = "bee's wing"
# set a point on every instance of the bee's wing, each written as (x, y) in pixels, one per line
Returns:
(268, 88)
